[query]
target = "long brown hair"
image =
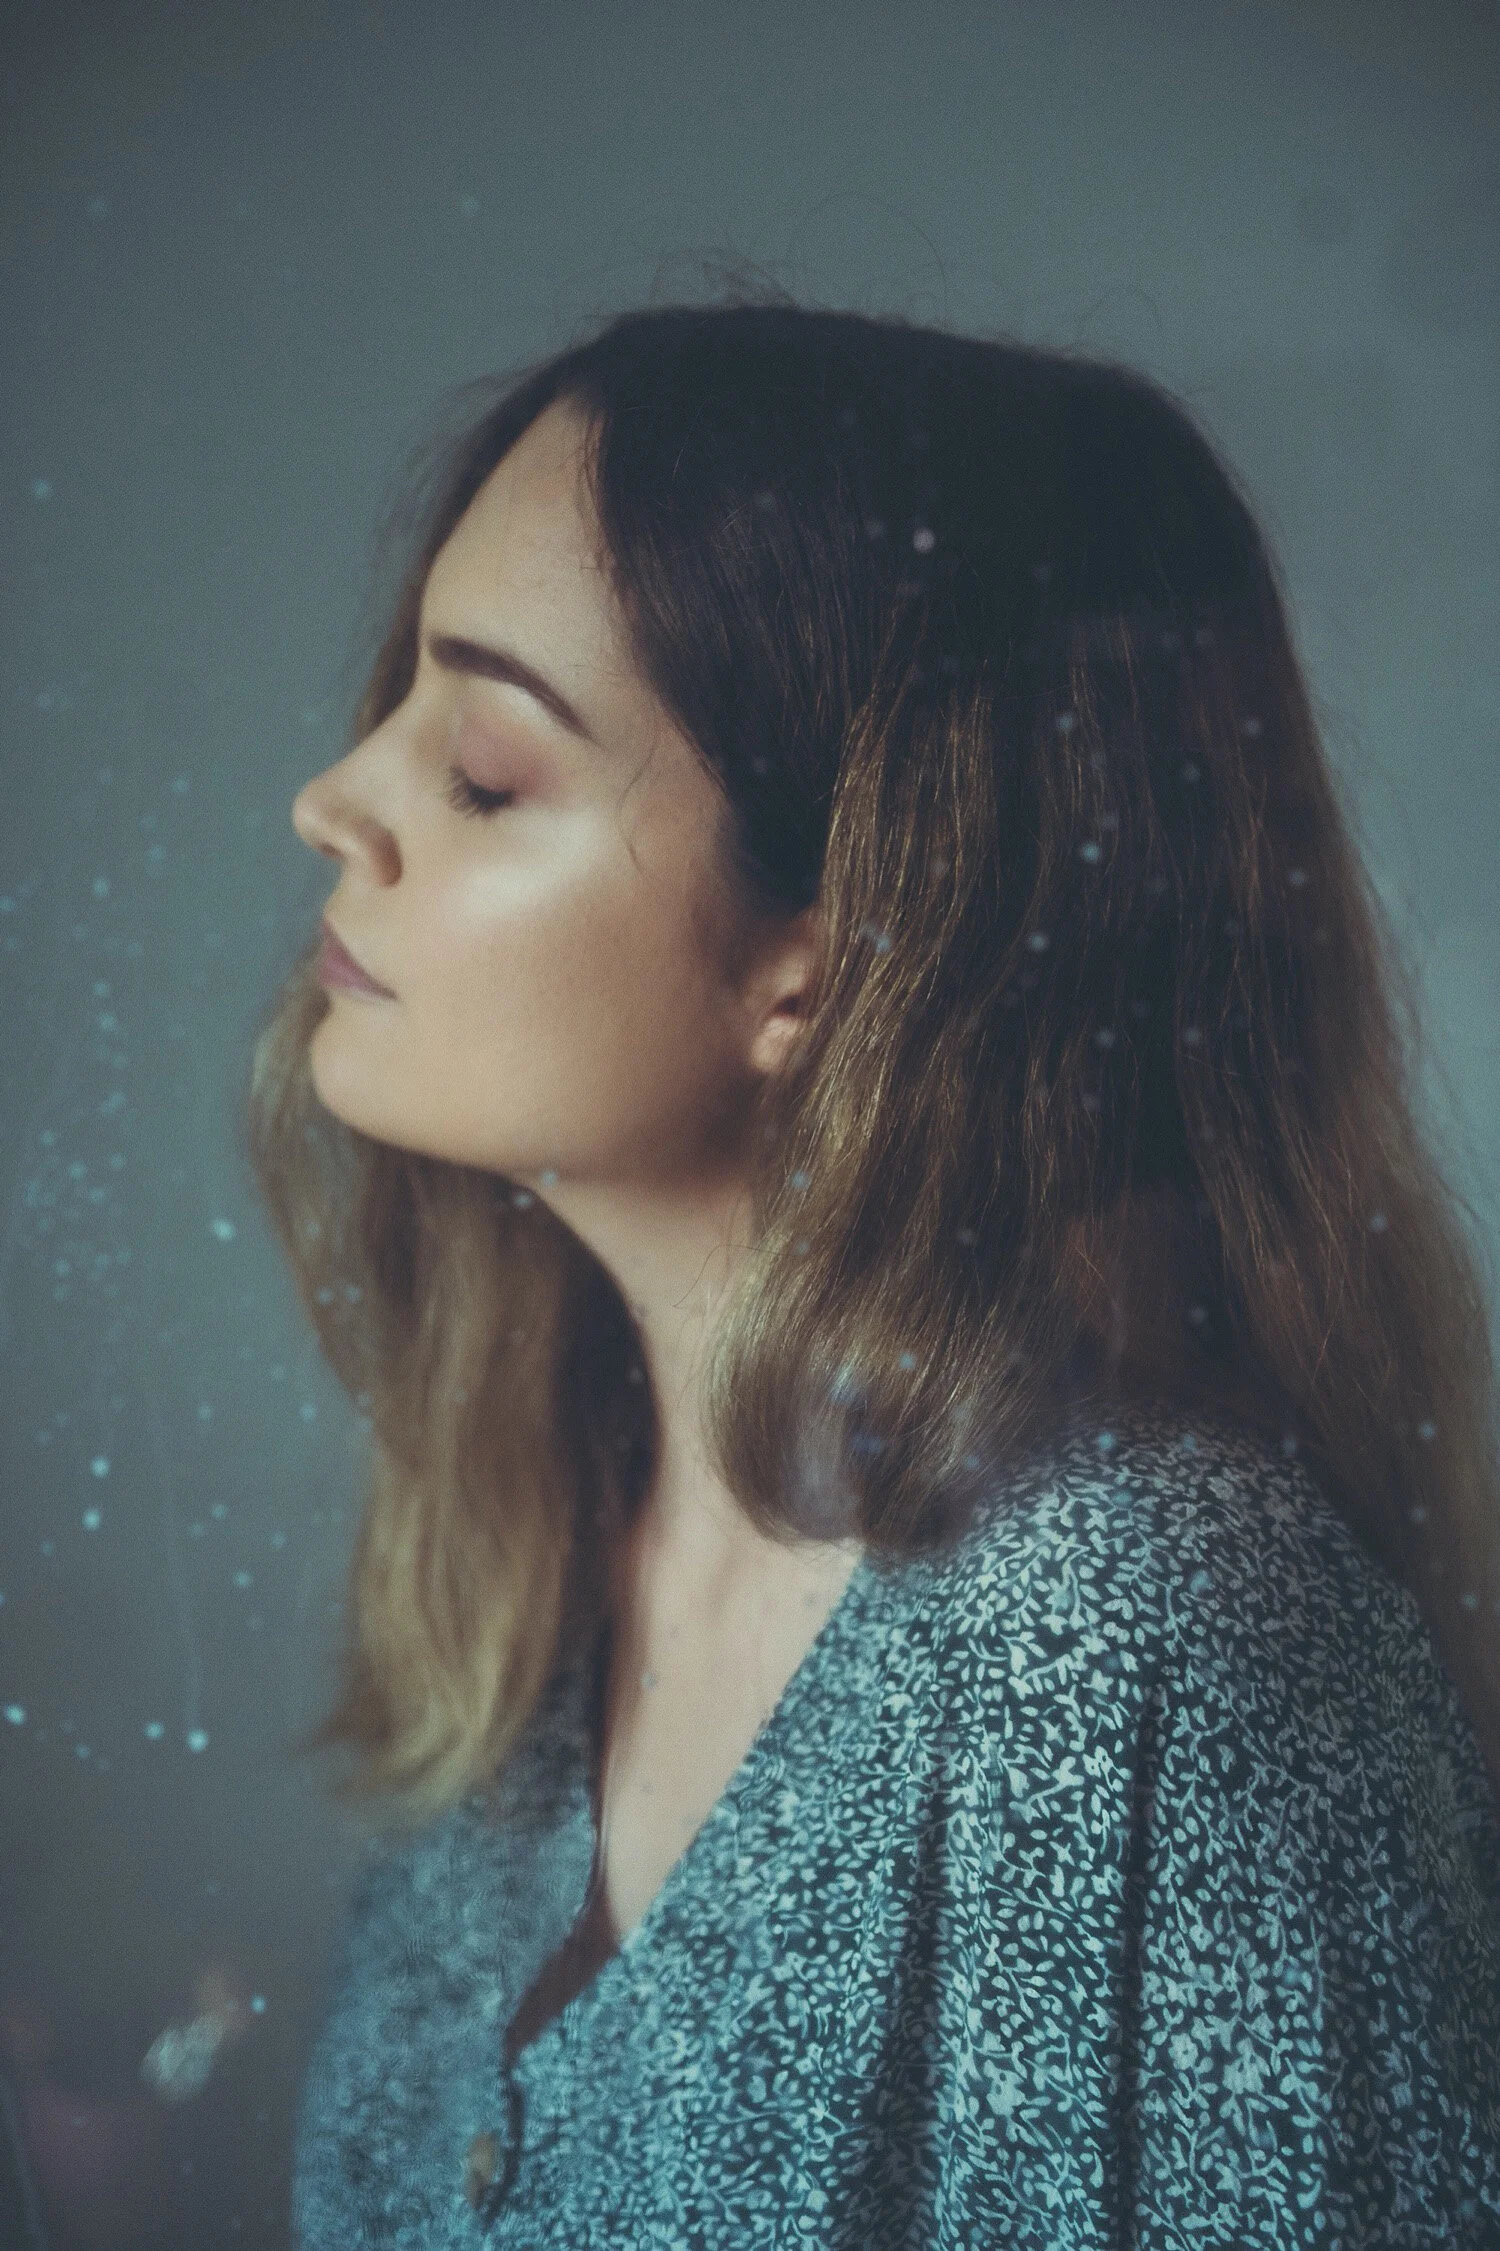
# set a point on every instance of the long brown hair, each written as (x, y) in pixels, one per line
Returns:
(1106, 1086)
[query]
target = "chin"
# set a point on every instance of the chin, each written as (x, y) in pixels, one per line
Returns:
(339, 1088)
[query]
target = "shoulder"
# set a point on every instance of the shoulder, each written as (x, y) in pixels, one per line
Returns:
(1174, 1647)
(1178, 1561)
(1198, 1518)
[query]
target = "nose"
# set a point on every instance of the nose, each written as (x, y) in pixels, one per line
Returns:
(307, 820)
(329, 820)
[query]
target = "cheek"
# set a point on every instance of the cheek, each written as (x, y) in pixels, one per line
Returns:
(608, 1006)
(632, 991)
(570, 971)
(665, 1044)
(566, 911)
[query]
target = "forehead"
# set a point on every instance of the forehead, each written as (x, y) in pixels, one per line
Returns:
(531, 519)
(525, 567)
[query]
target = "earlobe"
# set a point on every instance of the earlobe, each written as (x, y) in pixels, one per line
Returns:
(788, 983)
(778, 1031)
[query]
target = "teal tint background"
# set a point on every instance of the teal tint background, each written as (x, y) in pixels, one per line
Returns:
(246, 251)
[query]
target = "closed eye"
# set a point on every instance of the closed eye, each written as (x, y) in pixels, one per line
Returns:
(468, 797)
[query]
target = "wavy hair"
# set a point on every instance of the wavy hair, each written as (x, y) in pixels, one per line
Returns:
(1105, 1089)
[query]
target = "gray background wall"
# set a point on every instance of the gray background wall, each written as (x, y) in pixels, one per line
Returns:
(246, 248)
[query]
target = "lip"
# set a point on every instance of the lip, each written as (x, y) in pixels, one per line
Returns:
(337, 966)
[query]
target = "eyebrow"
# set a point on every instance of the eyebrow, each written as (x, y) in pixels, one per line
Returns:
(456, 654)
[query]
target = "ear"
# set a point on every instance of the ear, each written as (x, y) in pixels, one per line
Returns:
(776, 995)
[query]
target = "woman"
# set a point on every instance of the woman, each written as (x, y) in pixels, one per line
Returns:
(924, 1610)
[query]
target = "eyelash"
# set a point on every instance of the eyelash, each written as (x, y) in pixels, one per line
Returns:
(467, 796)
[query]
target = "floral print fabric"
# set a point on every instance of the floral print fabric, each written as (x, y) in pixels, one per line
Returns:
(1127, 1876)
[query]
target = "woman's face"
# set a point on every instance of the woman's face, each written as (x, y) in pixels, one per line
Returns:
(554, 1009)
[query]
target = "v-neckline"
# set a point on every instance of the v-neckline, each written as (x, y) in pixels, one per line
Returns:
(587, 1686)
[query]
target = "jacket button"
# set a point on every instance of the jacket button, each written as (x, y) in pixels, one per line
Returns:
(482, 2166)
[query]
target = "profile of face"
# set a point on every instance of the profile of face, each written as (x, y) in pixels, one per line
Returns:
(553, 1011)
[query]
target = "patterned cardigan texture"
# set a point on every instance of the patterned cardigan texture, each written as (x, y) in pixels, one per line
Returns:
(1127, 1876)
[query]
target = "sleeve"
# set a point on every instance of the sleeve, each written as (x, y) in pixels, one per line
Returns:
(402, 2074)
(1217, 1966)
(334, 2165)
(1310, 2049)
